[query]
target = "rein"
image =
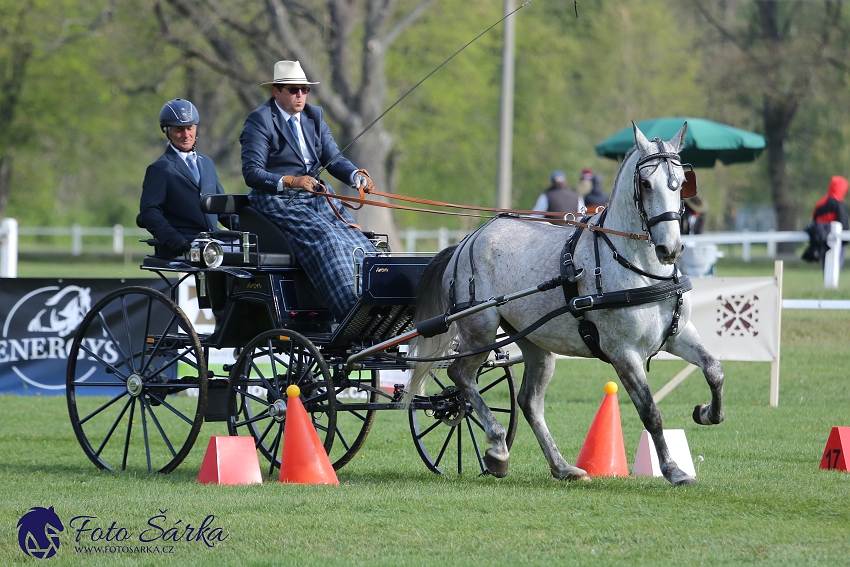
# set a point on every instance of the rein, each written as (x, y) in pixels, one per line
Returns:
(547, 216)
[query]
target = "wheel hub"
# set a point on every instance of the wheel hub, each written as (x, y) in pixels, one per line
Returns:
(135, 385)
(278, 410)
(452, 408)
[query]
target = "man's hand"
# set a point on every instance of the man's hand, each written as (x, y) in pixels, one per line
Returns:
(361, 180)
(299, 182)
(183, 247)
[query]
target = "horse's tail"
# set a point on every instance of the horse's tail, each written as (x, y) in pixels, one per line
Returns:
(431, 302)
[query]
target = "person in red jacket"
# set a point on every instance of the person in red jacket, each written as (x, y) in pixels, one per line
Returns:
(831, 207)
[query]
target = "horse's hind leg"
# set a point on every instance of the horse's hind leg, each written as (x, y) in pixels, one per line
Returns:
(463, 372)
(539, 367)
(633, 377)
(688, 346)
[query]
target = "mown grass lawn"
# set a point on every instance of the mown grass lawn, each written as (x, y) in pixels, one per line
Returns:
(761, 497)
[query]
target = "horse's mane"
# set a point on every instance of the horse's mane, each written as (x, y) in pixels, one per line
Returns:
(620, 172)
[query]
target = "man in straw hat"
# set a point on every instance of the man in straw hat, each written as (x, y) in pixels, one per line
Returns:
(284, 143)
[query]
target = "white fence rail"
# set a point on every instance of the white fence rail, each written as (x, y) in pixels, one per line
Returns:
(10, 231)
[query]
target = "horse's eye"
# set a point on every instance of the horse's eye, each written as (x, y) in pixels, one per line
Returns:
(645, 184)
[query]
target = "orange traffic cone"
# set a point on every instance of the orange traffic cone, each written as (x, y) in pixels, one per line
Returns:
(603, 452)
(303, 459)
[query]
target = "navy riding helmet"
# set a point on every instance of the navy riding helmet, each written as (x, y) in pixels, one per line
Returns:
(178, 112)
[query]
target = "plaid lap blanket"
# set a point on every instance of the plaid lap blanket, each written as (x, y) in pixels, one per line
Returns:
(322, 243)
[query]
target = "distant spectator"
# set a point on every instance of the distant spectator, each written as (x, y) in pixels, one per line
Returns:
(584, 186)
(829, 208)
(693, 221)
(558, 197)
(596, 197)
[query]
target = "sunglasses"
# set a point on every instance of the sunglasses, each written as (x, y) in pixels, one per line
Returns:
(296, 90)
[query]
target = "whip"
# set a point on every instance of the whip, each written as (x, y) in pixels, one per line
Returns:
(425, 78)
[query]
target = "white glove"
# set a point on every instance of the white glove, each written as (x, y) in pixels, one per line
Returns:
(361, 180)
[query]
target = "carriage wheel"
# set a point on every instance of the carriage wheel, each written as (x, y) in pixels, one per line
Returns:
(256, 392)
(136, 382)
(450, 431)
(353, 425)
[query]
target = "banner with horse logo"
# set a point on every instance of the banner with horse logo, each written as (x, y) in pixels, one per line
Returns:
(39, 316)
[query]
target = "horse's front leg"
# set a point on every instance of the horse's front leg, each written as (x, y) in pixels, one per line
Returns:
(688, 346)
(631, 374)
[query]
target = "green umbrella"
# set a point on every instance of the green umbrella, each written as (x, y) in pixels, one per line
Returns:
(705, 142)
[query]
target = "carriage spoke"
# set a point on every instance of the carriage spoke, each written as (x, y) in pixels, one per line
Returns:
(175, 411)
(126, 316)
(158, 345)
(445, 446)
(475, 445)
(114, 426)
(109, 367)
(274, 449)
(142, 405)
(103, 407)
(341, 437)
(108, 329)
(129, 430)
(254, 419)
(159, 427)
(492, 384)
(262, 437)
(428, 430)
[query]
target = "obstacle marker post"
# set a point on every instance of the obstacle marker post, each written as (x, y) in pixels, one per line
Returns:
(835, 456)
(646, 458)
(230, 460)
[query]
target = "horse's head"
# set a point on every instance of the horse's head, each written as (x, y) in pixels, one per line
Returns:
(659, 184)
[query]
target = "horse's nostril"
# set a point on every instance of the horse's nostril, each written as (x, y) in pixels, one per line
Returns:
(663, 251)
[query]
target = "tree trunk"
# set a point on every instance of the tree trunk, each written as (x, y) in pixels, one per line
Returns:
(777, 118)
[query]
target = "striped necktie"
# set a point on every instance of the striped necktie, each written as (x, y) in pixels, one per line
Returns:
(294, 127)
(193, 167)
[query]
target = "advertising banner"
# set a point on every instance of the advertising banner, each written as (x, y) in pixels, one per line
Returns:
(39, 316)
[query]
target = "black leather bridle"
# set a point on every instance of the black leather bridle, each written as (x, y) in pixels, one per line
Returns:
(688, 188)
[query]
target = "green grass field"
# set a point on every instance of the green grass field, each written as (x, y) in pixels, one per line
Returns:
(761, 497)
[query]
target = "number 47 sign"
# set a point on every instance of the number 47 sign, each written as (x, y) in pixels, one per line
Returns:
(835, 456)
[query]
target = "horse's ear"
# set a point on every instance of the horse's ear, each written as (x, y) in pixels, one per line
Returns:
(640, 140)
(678, 140)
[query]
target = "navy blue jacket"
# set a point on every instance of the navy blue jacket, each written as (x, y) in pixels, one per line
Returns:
(169, 207)
(270, 151)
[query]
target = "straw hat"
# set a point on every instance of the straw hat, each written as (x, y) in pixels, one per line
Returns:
(697, 204)
(288, 73)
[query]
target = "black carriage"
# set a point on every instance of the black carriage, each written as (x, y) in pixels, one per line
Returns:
(139, 393)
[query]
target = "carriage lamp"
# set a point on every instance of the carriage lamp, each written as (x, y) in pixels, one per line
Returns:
(213, 254)
(207, 251)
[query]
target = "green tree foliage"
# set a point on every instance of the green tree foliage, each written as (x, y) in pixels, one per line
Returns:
(81, 128)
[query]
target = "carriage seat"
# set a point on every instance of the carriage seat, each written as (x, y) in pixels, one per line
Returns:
(273, 246)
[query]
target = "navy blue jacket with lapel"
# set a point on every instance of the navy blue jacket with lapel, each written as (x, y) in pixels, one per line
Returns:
(170, 204)
(270, 151)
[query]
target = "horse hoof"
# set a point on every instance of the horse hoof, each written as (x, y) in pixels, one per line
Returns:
(495, 467)
(578, 476)
(680, 478)
(706, 419)
(697, 416)
(574, 474)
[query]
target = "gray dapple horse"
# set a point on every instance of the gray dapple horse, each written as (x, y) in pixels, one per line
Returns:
(510, 254)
